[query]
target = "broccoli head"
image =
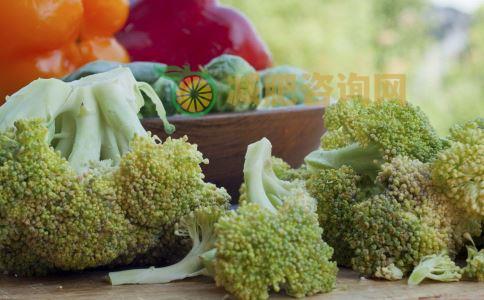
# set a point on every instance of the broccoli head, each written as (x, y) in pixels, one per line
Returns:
(67, 198)
(400, 225)
(280, 251)
(363, 135)
(264, 187)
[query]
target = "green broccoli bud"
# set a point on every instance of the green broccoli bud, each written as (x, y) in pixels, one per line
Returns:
(258, 250)
(437, 267)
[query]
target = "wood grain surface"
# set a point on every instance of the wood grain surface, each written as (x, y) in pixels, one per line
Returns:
(223, 138)
(93, 285)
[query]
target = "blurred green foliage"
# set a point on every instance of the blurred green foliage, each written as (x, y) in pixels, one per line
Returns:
(462, 93)
(373, 36)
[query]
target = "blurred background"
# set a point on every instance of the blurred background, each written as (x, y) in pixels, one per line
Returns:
(438, 44)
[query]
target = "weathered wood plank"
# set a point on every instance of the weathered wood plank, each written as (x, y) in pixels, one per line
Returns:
(93, 285)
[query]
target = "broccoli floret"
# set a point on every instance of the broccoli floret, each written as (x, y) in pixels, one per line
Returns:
(336, 192)
(402, 224)
(363, 135)
(82, 184)
(459, 170)
(274, 101)
(283, 208)
(474, 269)
(272, 241)
(437, 267)
(281, 251)
(40, 191)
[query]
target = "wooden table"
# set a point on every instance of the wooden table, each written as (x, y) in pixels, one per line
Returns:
(93, 285)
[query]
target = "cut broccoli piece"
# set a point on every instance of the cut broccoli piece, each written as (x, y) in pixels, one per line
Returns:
(294, 82)
(364, 134)
(437, 267)
(401, 224)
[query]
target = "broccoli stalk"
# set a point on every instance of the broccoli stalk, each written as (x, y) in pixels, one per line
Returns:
(264, 187)
(199, 227)
(437, 267)
(364, 160)
(91, 119)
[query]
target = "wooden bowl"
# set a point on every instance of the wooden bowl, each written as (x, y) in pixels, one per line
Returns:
(223, 138)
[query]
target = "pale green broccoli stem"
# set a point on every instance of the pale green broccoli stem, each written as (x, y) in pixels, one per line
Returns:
(87, 141)
(160, 109)
(77, 113)
(117, 112)
(190, 266)
(43, 98)
(110, 149)
(64, 140)
(199, 226)
(437, 267)
(364, 160)
(208, 259)
(263, 186)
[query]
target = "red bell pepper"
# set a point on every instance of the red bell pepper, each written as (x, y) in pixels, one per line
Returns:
(179, 32)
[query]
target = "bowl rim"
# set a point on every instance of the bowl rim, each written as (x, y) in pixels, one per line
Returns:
(228, 115)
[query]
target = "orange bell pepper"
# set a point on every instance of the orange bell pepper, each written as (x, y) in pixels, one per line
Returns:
(51, 38)
(104, 17)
